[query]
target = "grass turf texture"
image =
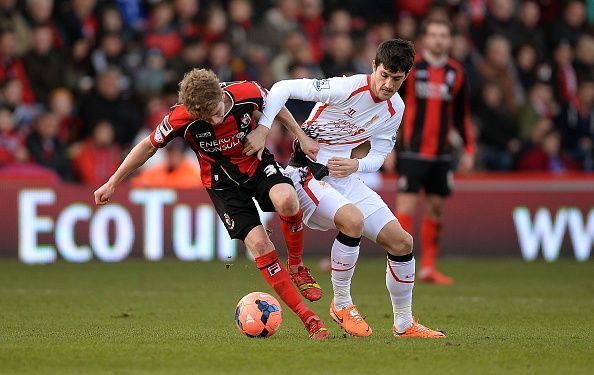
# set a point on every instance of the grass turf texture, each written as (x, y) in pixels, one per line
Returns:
(174, 317)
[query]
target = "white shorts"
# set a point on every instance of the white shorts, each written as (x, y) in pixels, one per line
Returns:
(320, 200)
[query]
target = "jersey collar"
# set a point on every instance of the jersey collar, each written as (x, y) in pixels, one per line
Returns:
(232, 102)
(375, 98)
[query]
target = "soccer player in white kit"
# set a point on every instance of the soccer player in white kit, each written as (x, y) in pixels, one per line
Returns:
(350, 111)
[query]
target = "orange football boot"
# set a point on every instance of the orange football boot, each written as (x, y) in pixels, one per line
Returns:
(419, 330)
(433, 276)
(306, 284)
(350, 320)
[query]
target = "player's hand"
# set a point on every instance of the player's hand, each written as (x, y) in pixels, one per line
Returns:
(342, 167)
(310, 147)
(255, 141)
(466, 163)
(104, 193)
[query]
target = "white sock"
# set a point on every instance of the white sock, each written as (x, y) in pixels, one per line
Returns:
(344, 258)
(400, 280)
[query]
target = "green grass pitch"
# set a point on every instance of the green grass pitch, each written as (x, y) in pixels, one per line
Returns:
(502, 316)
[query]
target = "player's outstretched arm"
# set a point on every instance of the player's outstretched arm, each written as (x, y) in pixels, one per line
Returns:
(137, 157)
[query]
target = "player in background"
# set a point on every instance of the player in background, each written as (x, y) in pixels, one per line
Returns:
(350, 111)
(436, 98)
(214, 119)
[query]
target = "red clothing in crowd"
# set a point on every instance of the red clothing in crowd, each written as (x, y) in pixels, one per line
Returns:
(94, 165)
(538, 160)
(14, 68)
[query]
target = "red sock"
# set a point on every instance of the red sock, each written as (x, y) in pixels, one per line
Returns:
(292, 227)
(429, 241)
(279, 280)
(406, 222)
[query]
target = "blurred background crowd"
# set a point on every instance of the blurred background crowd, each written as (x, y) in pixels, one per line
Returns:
(82, 80)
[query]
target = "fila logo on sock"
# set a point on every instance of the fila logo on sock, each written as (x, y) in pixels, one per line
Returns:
(410, 276)
(297, 228)
(274, 269)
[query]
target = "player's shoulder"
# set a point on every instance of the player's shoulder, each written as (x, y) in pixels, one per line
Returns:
(178, 116)
(455, 64)
(244, 90)
(397, 101)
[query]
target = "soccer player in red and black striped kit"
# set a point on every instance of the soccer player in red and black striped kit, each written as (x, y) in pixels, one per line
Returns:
(436, 100)
(214, 119)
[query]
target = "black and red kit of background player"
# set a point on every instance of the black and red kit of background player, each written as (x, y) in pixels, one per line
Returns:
(436, 100)
(230, 177)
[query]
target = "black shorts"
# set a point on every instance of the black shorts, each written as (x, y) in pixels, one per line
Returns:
(235, 206)
(434, 176)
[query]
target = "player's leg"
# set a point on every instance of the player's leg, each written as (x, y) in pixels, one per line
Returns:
(345, 252)
(282, 198)
(286, 203)
(437, 189)
(400, 272)
(240, 216)
(406, 204)
(411, 173)
(278, 278)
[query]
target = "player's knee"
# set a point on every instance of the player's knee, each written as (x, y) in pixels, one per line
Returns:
(286, 203)
(402, 244)
(350, 221)
(260, 246)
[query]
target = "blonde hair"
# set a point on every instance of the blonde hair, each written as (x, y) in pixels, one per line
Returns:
(200, 92)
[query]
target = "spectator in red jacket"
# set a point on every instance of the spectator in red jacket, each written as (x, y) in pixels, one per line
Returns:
(162, 33)
(547, 156)
(99, 157)
(61, 102)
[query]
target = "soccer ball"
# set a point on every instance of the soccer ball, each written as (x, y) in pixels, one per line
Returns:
(258, 314)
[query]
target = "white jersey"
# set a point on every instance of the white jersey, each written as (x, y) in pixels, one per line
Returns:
(346, 115)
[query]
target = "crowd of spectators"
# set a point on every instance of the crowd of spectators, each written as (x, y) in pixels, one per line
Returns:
(82, 80)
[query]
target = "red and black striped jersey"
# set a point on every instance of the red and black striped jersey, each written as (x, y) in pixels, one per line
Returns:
(436, 99)
(219, 148)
